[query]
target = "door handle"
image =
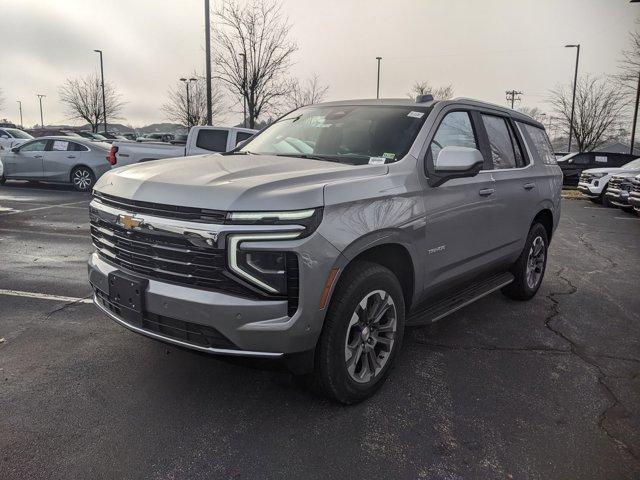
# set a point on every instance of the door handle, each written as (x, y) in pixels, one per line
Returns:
(485, 192)
(37, 156)
(71, 156)
(529, 186)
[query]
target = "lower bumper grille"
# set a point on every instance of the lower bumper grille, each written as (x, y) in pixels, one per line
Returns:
(192, 333)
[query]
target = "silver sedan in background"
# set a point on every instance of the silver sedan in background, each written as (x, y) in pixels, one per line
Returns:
(57, 159)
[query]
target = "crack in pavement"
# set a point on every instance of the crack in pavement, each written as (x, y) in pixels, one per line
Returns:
(576, 350)
(595, 251)
(484, 348)
(65, 306)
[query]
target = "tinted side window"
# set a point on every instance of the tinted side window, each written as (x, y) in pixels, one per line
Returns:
(214, 140)
(539, 143)
(76, 147)
(454, 131)
(503, 153)
(241, 136)
(37, 146)
(2, 132)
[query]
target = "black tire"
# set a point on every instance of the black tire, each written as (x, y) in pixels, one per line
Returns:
(522, 288)
(83, 179)
(597, 199)
(362, 281)
(3, 179)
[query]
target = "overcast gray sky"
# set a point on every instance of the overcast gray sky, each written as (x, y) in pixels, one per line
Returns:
(482, 47)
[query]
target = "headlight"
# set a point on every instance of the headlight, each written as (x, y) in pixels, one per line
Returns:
(309, 219)
(597, 175)
(266, 269)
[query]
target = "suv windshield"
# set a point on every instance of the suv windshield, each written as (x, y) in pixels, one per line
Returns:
(632, 165)
(349, 134)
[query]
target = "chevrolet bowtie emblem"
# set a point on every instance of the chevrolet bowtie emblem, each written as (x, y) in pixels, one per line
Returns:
(128, 222)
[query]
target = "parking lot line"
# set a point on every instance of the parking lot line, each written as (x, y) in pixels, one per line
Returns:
(66, 205)
(44, 296)
(45, 232)
(626, 218)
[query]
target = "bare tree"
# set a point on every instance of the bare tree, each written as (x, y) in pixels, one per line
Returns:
(598, 108)
(258, 31)
(439, 93)
(533, 112)
(308, 92)
(629, 65)
(82, 97)
(175, 109)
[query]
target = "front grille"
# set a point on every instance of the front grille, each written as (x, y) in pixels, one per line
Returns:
(164, 256)
(635, 187)
(189, 332)
(162, 210)
(614, 183)
(585, 177)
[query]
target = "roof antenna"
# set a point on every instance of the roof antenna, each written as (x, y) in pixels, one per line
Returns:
(427, 97)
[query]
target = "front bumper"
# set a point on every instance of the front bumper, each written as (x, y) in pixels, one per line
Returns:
(619, 198)
(589, 190)
(253, 328)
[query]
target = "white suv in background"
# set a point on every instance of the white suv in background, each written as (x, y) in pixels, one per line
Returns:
(593, 182)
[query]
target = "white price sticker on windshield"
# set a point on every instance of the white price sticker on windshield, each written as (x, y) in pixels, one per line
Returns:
(377, 160)
(415, 114)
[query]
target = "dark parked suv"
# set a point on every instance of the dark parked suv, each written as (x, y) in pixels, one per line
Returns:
(319, 239)
(573, 164)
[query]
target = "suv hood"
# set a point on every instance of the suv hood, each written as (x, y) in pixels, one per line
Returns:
(627, 174)
(232, 182)
(603, 170)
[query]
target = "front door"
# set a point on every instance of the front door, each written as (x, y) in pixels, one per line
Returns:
(460, 217)
(27, 161)
(58, 160)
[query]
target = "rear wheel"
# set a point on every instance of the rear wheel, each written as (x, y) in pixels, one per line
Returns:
(82, 179)
(362, 334)
(530, 267)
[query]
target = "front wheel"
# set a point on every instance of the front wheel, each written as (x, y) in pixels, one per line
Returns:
(82, 179)
(530, 267)
(362, 334)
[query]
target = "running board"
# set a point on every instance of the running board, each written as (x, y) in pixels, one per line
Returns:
(438, 309)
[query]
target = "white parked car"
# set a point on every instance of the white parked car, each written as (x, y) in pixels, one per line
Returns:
(201, 140)
(12, 137)
(594, 182)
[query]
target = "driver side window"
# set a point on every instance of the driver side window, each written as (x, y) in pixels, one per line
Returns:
(455, 130)
(37, 146)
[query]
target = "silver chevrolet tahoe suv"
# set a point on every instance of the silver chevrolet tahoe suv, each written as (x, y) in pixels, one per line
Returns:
(321, 238)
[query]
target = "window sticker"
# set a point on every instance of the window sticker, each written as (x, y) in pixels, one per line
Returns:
(377, 160)
(415, 114)
(390, 156)
(601, 159)
(60, 145)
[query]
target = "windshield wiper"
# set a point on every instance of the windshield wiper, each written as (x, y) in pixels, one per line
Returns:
(234, 152)
(308, 157)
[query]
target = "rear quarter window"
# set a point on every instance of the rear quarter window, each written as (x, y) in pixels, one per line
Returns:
(538, 143)
(213, 140)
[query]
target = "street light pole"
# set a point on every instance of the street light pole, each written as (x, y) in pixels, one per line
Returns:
(207, 44)
(41, 116)
(635, 118)
(20, 106)
(104, 102)
(573, 101)
(378, 83)
(187, 82)
(244, 89)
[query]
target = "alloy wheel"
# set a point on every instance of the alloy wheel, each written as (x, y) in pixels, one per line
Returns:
(82, 179)
(370, 336)
(535, 262)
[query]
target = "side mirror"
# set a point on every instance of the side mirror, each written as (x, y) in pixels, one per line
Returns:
(4, 136)
(15, 149)
(455, 162)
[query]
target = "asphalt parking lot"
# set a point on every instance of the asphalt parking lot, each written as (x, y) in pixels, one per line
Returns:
(544, 389)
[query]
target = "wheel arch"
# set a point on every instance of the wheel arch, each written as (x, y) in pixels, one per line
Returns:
(545, 218)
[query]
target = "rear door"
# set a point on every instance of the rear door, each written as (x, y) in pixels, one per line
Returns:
(515, 187)
(209, 140)
(61, 156)
(27, 162)
(460, 221)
